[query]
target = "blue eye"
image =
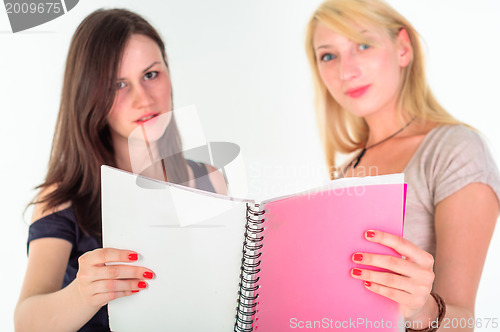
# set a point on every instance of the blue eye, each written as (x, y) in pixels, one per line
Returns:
(150, 75)
(363, 47)
(120, 85)
(328, 57)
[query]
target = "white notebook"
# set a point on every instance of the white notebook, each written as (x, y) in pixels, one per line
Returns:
(194, 242)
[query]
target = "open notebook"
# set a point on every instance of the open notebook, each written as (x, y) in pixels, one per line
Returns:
(224, 263)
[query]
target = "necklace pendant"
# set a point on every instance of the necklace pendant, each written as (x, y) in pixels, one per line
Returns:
(359, 158)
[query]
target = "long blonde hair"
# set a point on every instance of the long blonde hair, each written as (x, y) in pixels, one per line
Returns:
(341, 131)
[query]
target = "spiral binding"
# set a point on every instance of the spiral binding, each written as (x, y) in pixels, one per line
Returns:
(249, 279)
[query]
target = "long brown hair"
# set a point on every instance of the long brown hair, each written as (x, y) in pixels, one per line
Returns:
(82, 140)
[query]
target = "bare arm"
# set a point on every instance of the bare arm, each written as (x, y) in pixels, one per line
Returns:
(464, 225)
(44, 306)
(217, 180)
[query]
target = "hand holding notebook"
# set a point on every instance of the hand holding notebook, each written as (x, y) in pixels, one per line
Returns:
(274, 264)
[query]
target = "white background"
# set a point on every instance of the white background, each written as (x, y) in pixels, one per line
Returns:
(243, 64)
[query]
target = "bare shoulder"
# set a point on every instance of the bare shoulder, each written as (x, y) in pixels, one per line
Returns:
(47, 261)
(41, 209)
(217, 180)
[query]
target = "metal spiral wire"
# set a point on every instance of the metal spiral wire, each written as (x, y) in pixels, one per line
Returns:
(249, 279)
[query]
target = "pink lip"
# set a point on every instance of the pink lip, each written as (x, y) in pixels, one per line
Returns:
(357, 92)
(155, 115)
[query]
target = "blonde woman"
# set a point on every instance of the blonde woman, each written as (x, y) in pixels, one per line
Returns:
(373, 100)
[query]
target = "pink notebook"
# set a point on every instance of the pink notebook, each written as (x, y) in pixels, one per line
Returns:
(277, 265)
(301, 277)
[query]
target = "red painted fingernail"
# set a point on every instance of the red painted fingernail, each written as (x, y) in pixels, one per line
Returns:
(356, 272)
(133, 257)
(370, 234)
(148, 275)
(368, 284)
(142, 284)
(357, 257)
(135, 291)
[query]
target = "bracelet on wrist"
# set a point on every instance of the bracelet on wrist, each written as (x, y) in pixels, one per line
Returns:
(441, 313)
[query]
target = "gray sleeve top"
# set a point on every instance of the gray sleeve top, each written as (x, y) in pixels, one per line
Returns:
(449, 158)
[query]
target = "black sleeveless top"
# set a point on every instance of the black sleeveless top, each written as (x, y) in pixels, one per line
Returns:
(63, 225)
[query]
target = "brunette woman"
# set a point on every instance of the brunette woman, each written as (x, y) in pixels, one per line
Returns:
(116, 79)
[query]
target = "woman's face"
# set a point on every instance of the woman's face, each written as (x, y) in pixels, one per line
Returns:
(144, 90)
(362, 78)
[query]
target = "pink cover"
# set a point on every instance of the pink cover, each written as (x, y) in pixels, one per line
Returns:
(306, 260)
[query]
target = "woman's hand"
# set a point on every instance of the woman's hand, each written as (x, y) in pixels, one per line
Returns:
(100, 283)
(411, 279)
